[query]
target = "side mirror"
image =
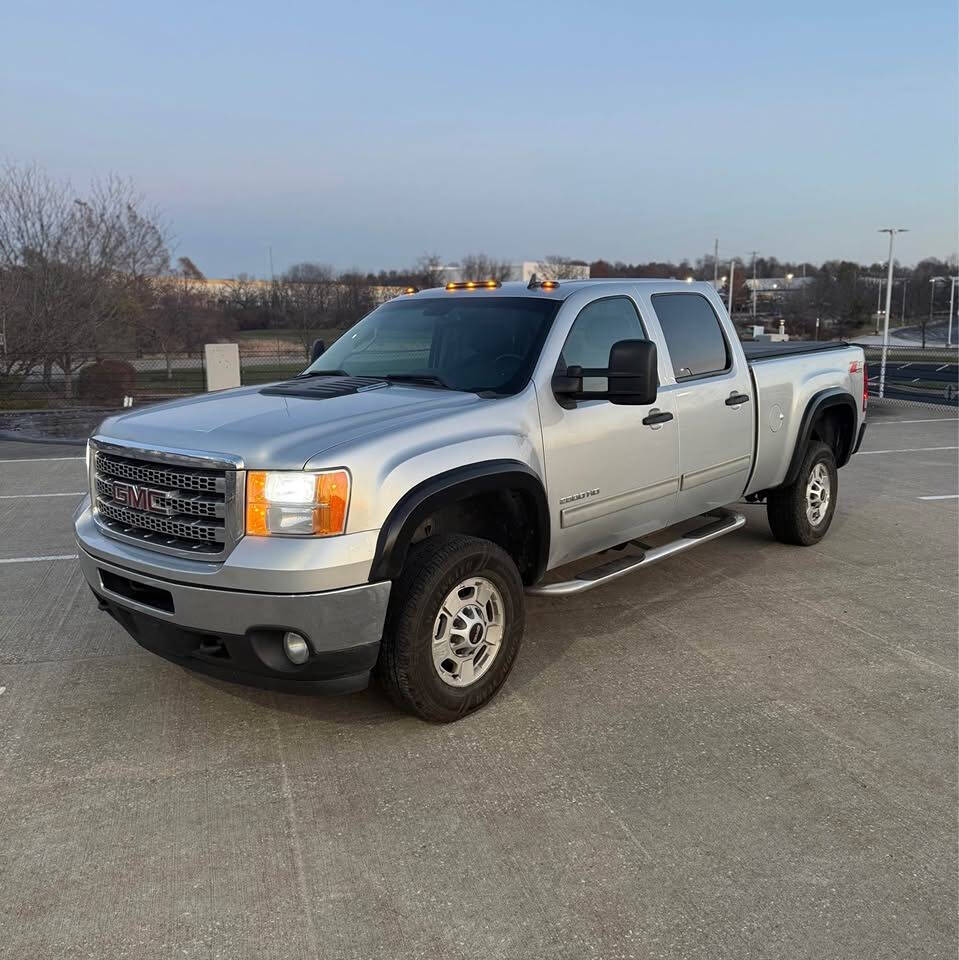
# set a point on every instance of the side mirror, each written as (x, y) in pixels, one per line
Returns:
(632, 377)
(568, 386)
(317, 350)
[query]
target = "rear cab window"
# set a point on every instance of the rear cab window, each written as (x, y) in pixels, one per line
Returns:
(693, 333)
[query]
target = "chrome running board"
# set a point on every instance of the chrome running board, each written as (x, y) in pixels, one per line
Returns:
(720, 523)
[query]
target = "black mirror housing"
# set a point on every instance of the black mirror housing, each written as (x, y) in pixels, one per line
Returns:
(317, 350)
(568, 386)
(632, 376)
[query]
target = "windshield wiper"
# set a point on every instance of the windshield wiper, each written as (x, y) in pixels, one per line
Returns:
(428, 378)
(321, 373)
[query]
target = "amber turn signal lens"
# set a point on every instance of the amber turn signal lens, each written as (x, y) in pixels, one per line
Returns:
(332, 494)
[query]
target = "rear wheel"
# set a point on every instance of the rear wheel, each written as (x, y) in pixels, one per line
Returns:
(802, 512)
(454, 627)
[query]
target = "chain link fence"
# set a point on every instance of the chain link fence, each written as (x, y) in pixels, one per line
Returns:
(914, 375)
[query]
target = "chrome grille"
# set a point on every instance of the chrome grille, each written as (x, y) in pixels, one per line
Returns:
(171, 477)
(166, 506)
(175, 527)
(196, 504)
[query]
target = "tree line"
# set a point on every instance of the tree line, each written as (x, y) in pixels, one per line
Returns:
(84, 276)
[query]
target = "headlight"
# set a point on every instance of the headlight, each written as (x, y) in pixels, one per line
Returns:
(296, 504)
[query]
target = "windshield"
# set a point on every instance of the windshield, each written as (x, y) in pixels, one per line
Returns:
(483, 345)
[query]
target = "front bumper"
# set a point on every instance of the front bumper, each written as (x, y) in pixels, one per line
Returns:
(238, 635)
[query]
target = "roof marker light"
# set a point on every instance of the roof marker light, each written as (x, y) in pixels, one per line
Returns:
(473, 285)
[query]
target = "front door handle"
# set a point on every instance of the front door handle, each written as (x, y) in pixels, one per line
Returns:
(735, 399)
(657, 418)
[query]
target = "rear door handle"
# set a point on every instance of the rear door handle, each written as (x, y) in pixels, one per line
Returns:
(657, 418)
(735, 399)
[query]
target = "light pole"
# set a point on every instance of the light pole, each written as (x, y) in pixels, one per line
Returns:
(952, 303)
(892, 231)
(879, 304)
(932, 301)
(754, 285)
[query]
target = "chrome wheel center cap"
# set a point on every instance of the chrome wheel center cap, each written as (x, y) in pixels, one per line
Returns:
(467, 632)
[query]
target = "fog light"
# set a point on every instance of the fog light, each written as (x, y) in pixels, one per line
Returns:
(295, 647)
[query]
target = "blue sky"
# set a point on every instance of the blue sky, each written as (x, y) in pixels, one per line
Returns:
(368, 133)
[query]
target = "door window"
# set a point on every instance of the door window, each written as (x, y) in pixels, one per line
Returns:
(599, 325)
(693, 334)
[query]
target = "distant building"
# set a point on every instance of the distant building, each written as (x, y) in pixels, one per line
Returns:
(777, 288)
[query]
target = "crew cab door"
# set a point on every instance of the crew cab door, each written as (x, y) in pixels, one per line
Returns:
(609, 476)
(714, 403)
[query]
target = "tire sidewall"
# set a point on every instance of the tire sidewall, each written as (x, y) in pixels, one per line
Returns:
(414, 629)
(819, 453)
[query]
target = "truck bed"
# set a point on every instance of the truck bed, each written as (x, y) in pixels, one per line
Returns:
(766, 350)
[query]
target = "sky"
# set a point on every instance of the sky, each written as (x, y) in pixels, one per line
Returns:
(367, 134)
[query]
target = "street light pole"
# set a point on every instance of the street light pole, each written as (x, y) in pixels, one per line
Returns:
(932, 302)
(878, 304)
(892, 231)
(754, 286)
(952, 303)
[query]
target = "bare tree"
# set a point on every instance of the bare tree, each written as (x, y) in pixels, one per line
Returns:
(478, 266)
(82, 266)
(429, 270)
(306, 295)
(189, 269)
(559, 268)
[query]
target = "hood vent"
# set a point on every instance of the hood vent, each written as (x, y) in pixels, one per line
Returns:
(322, 388)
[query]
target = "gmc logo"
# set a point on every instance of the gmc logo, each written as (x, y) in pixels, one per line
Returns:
(142, 498)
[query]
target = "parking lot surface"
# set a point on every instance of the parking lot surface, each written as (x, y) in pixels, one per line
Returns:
(747, 751)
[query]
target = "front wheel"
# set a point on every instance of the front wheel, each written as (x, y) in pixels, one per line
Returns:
(802, 512)
(453, 628)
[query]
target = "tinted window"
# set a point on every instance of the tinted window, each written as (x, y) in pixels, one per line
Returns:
(599, 325)
(474, 343)
(693, 334)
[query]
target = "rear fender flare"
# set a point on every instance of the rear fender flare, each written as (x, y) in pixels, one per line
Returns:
(824, 400)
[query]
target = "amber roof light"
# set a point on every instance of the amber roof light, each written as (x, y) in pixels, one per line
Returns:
(473, 285)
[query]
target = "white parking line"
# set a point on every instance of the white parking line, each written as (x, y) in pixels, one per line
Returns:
(945, 496)
(943, 367)
(866, 453)
(39, 459)
(33, 496)
(880, 423)
(60, 556)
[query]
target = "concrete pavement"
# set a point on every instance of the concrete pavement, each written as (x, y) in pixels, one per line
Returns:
(748, 751)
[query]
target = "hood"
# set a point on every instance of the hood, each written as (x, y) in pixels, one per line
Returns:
(281, 431)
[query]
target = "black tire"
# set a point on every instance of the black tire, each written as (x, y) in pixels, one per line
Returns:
(786, 507)
(433, 568)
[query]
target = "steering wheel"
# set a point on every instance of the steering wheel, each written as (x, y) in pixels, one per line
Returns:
(507, 356)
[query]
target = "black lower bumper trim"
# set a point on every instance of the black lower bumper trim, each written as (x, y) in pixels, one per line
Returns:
(255, 659)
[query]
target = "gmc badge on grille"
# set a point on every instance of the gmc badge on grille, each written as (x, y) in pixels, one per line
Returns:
(142, 498)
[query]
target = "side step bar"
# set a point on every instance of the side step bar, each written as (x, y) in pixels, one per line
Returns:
(722, 522)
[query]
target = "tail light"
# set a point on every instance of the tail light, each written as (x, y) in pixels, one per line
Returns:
(855, 367)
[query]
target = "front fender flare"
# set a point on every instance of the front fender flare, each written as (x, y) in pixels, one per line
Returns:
(453, 485)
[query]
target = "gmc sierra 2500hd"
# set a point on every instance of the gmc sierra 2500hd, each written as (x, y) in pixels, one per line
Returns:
(387, 509)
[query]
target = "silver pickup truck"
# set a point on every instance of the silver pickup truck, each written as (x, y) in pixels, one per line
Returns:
(386, 511)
